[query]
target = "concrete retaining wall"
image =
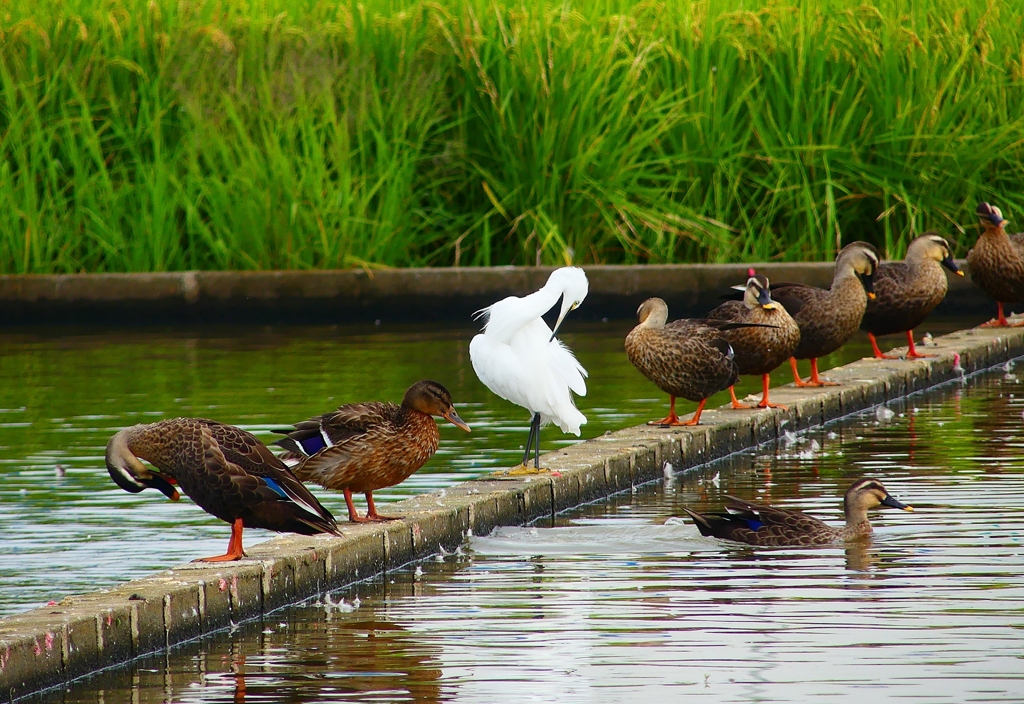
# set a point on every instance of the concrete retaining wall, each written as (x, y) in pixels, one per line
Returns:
(393, 295)
(52, 645)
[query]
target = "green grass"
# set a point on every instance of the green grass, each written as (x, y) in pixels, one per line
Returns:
(153, 135)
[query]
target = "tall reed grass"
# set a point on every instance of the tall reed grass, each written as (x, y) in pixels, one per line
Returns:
(151, 135)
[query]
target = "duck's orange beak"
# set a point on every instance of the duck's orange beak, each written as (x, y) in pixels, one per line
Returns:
(453, 417)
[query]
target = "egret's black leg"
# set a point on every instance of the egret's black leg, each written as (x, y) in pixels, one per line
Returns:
(529, 444)
(536, 432)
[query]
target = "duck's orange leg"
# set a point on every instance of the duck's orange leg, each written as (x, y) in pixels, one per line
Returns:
(353, 515)
(671, 419)
(696, 415)
(1001, 321)
(371, 510)
(817, 380)
(796, 375)
(765, 383)
(912, 352)
(878, 352)
(735, 401)
(235, 551)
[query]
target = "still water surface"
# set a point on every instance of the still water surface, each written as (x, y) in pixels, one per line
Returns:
(65, 528)
(623, 602)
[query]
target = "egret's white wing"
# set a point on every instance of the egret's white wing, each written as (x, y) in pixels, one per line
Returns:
(567, 367)
(501, 370)
(519, 373)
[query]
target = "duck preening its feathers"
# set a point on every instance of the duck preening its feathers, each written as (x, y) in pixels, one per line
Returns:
(225, 470)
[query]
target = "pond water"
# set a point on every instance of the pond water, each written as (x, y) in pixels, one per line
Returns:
(623, 602)
(67, 529)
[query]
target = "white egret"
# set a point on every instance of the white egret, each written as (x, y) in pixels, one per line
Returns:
(518, 358)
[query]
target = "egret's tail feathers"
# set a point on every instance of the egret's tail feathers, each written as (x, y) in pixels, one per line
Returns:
(568, 420)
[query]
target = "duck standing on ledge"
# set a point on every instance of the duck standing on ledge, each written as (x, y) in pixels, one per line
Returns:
(906, 292)
(758, 350)
(756, 524)
(364, 447)
(829, 318)
(688, 358)
(518, 358)
(996, 263)
(225, 470)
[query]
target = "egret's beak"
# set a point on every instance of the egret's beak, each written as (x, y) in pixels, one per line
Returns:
(561, 317)
(951, 265)
(453, 417)
(739, 287)
(893, 502)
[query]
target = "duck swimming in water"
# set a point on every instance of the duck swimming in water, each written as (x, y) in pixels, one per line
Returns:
(757, 524)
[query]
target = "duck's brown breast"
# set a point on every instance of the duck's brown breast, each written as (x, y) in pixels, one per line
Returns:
(828, 321)
(904, 296)
(760, 350)
(996, 266)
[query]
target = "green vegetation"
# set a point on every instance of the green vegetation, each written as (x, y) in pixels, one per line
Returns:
(150, 135)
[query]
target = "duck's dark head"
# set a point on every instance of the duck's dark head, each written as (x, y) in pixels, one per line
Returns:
(932, 246)
(128, 471)
(433, 399)
(867, 493)
(862, 259)
(757, 292)
(991, 216)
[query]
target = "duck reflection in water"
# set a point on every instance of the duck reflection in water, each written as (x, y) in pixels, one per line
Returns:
(315, 660)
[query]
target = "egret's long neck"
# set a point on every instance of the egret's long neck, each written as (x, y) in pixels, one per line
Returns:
(509, 316)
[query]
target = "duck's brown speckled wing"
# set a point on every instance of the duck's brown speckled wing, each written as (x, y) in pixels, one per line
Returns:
(231, 474)
(371, 446)
(902, 301)
(758, 350)
(755, 524)
(794, 297)
(685, 358)
(827, 319)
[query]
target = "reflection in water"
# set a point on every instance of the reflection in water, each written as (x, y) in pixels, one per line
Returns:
(623, 601)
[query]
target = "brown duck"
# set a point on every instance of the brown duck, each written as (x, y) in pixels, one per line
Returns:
(997, 262)
(758, 350)
(906, 292)
(828, 318)
(225, 470)
(687, 358)
(756, 524)
(364, 447)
